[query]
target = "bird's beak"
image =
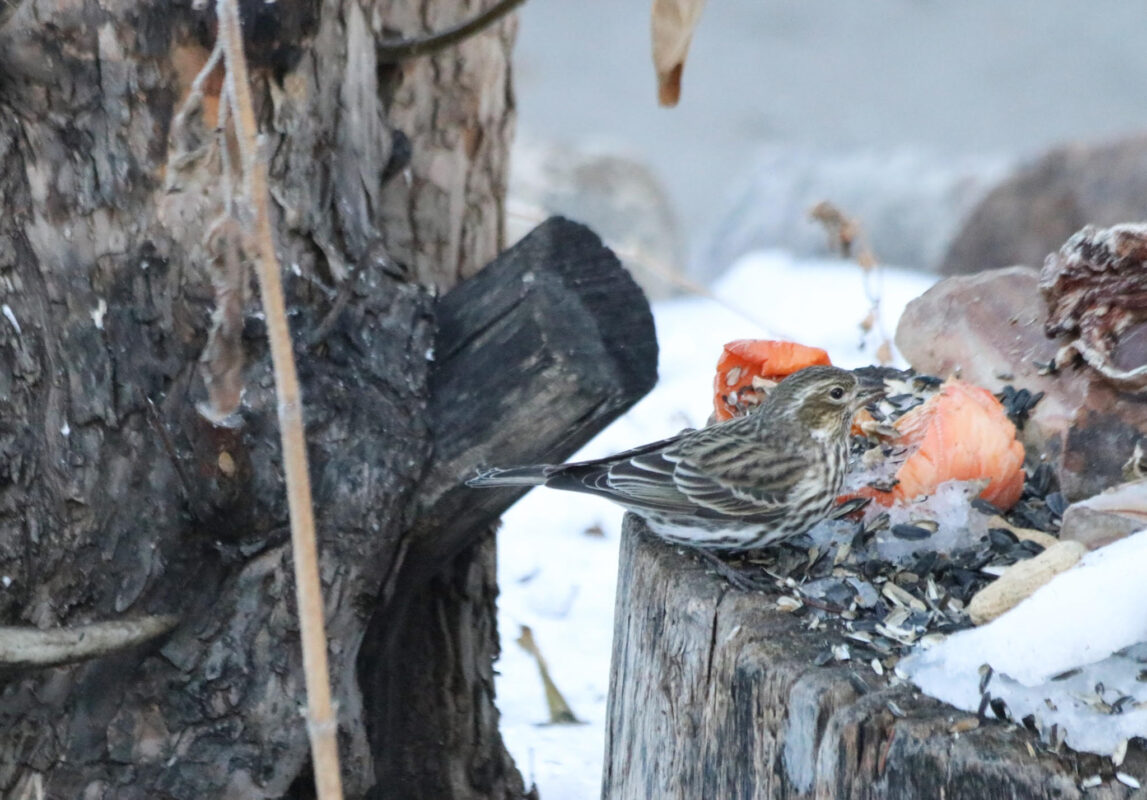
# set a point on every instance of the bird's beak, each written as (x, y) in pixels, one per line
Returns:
(867, 393)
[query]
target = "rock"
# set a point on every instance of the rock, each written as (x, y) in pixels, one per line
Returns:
(1107, 517)
(1021, 579)
(908, 203)
(989, 330)
(621, 199)
(1032, 212)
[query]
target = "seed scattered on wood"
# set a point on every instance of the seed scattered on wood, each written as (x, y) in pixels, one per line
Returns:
(1119, 754)
(786, 603)
(986, 673)
(1127, 780)
(964, 724)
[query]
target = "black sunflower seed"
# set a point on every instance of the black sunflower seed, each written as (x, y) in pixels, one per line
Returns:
(1056, 503)
(1041, 480)
(1063, 676)
(1002, 540)
(911, 532)
(999, 708)
(984, 507)
(875, 567)
(1031, 547)
(986, 673)
(926, 563)
(1118, 706)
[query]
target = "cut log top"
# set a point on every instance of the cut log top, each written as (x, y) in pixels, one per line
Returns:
(714, 694)
(543, 348)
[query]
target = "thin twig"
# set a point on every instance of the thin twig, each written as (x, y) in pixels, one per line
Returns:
(392, 51)
(321, 721)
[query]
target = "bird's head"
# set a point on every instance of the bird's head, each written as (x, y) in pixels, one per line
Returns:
(822, 400)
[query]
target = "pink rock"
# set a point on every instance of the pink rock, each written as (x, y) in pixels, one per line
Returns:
(988, 328)
(1107, 517)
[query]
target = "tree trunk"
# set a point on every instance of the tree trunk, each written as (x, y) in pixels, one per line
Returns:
(118, 500)
(714, 693)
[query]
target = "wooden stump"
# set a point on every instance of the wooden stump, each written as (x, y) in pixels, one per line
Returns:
(714, 694)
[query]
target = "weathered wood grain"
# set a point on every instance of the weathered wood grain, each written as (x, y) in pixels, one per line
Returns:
(538, 352)
(713, 694)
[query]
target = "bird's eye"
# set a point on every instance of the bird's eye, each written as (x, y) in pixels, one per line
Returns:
(837, 393)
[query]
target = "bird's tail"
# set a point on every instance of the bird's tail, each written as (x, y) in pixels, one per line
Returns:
(511, 476)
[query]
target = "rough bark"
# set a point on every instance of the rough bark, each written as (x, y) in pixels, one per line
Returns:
(534, 355)
(713, 693)
(117, 499)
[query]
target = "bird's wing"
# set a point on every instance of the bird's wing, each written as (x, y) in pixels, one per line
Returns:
(694, 473)
(641, 478)
(740, 476)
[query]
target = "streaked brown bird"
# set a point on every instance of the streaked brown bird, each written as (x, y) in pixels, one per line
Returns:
(737, 485)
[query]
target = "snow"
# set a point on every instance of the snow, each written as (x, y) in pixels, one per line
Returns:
(1088, 618)
(559, 580)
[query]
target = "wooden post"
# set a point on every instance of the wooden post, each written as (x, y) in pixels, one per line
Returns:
(534, 355)
(714, 694)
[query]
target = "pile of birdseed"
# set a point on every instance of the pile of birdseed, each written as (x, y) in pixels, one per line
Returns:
(894, 578)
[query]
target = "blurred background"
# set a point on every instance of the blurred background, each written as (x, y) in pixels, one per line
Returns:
(904, 112)
(960, 136)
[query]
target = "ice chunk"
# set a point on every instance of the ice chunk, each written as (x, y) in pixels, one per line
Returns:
(1069, 655)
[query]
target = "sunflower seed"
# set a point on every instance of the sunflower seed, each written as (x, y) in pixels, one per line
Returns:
(858, 683)
(1127, 780)
(982, 711)
(910, 532)
(964, 724)
(786, 603)
(986, 673)
(1063, 676)
(1090, 782)
(1002, 540)
(902, 597)
(1118, 706)
(1119, 754)
(984, 507)
(896, 617)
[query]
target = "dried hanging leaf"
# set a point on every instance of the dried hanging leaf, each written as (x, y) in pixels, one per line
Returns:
(673, 25)
(560, 712)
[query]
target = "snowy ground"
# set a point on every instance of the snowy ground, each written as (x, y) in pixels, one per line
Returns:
(558, 578)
